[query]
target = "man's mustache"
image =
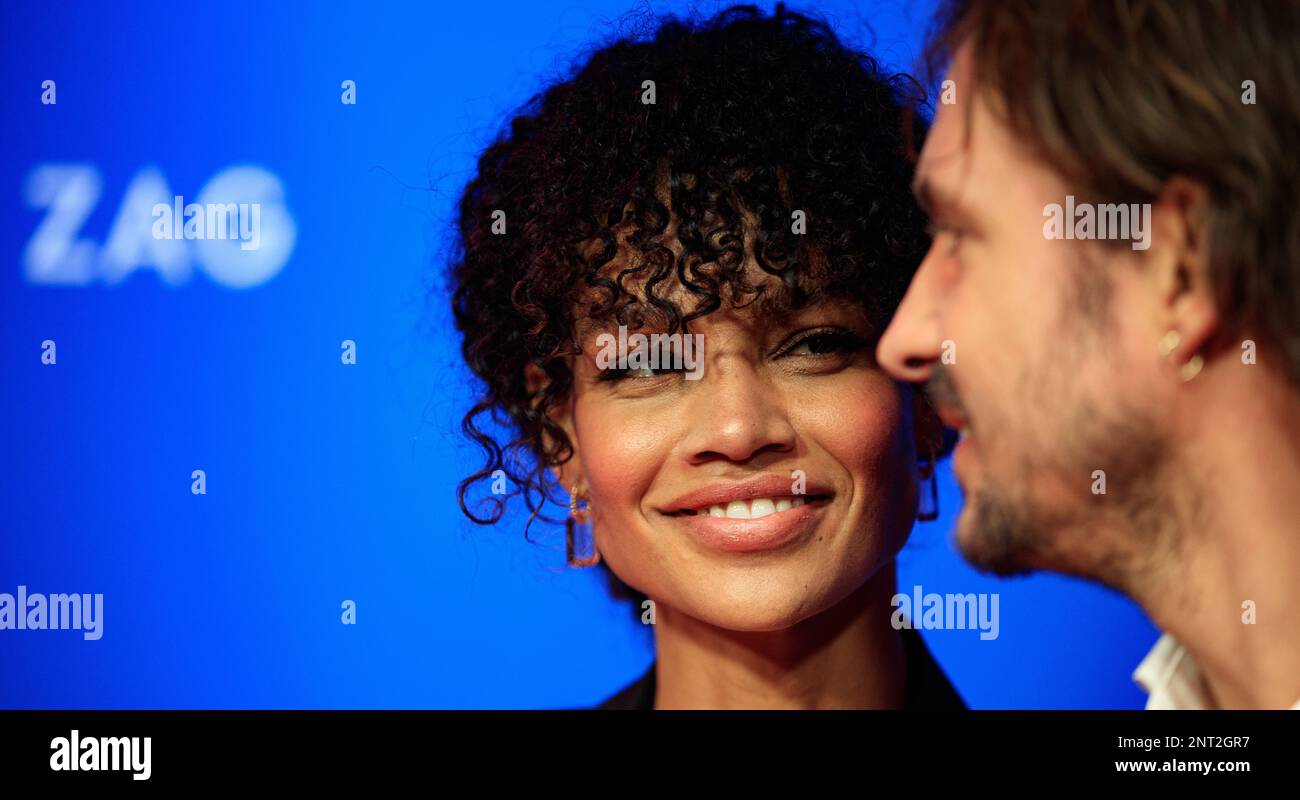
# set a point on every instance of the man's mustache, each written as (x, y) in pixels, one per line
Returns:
(940, 391)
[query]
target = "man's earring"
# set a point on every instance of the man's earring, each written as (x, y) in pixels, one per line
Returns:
(929, 512)
(578, 536)
(1169, 343)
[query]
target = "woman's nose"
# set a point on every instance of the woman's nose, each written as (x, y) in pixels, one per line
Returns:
(740, 416)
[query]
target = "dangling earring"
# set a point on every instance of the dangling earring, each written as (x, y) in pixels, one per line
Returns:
(578, 527)
(929, 512)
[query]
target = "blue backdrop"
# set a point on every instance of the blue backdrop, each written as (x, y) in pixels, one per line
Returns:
(326, 482)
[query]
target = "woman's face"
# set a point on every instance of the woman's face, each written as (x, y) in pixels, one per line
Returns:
(662, 456)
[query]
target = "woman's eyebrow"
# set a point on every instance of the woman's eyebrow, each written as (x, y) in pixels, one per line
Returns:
(789, 317)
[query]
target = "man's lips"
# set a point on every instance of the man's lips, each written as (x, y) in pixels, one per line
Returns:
(956, 420)
(953, 417)
(759, 487)
(942, 394)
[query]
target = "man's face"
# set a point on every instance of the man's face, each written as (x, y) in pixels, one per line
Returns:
(1029, 346)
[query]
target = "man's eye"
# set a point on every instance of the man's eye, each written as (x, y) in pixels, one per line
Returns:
(954, 234)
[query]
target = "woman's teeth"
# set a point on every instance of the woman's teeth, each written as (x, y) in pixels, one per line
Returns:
(753, 509)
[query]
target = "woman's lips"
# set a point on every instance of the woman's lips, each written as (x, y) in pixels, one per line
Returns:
(761, 512)
(765, 532)
(752, 509)
(723, 493)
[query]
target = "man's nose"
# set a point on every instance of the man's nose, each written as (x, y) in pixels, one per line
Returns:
(913, 344)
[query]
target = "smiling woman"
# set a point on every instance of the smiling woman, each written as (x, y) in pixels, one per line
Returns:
(745, 180)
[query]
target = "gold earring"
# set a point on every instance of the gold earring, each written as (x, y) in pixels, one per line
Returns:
(578, 526)
(1169, 343)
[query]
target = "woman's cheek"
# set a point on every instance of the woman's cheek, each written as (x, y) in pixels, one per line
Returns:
(864, 425)
(859, 420)
(622, 454)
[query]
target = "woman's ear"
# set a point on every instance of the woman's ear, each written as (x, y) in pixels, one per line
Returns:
(561, 414)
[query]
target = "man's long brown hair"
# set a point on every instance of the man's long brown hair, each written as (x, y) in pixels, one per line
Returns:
(1119, 96)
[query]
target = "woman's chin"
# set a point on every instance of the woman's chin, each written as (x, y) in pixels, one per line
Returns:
(756, 608)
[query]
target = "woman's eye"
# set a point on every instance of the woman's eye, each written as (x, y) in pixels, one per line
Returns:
(639, 372)
(647, 372)
(826, 342)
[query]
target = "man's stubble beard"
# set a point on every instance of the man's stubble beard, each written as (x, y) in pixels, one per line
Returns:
(1118, 538)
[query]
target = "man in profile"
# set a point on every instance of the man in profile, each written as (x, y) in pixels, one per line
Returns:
(1110, 313)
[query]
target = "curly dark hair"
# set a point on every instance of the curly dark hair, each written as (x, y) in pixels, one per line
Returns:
(753, 118)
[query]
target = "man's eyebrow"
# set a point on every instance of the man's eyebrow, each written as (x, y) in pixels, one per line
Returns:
(922, 191)
(935, 202)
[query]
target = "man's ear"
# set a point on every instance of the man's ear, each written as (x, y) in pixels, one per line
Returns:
(1179, 268)
(570, 472)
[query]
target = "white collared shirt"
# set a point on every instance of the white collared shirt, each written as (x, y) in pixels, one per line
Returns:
(1172, 679)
